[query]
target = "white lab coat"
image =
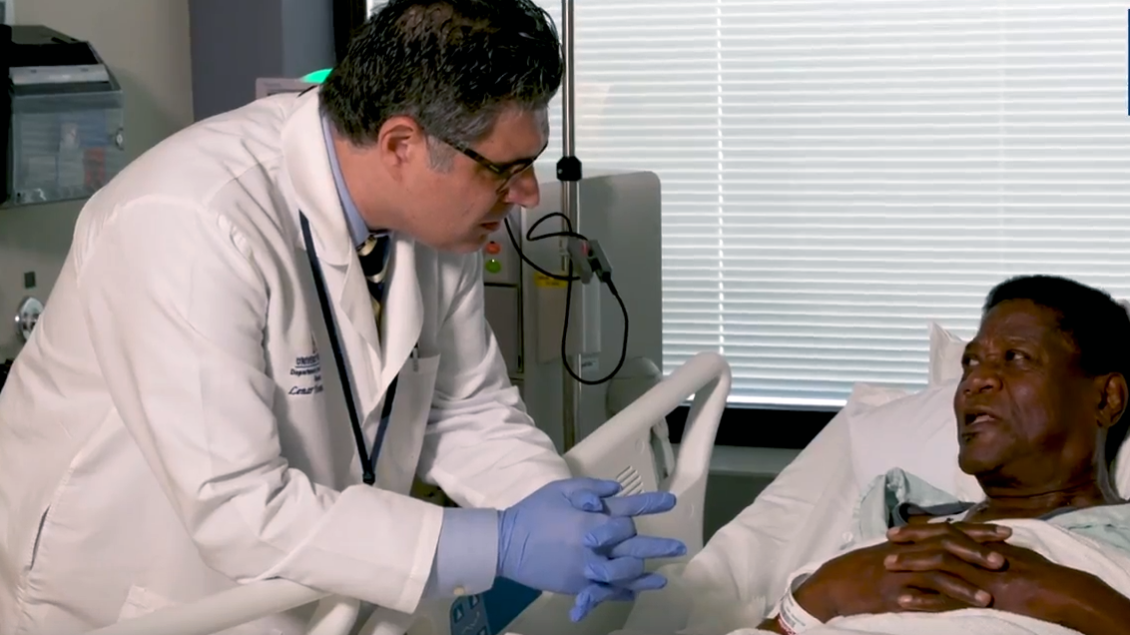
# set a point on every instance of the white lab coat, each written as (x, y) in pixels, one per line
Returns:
(162, 437)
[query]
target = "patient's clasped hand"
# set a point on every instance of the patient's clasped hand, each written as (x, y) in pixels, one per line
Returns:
(1039, 409)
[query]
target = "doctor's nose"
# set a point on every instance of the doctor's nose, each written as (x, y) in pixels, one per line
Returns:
(523, 189)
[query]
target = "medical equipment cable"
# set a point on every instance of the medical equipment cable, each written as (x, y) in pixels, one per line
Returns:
(514, 241)
(604, 277)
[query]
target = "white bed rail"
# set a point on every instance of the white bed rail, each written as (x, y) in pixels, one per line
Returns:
(621, 450)
(705, 376)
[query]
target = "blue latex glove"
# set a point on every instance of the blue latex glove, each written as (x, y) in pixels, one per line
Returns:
(570, 537)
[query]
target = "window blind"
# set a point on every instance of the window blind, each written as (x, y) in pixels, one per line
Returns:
(837, 174)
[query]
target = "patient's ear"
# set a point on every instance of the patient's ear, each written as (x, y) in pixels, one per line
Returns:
(1113, 392)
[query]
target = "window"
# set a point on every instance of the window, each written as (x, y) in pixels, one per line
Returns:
(838, 174)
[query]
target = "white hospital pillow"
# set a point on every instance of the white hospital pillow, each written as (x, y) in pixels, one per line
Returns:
(917, 433)
(946, 350)
(867, 396)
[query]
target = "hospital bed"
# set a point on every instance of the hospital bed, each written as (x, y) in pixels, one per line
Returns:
(621, 450)
(806, 514)
(733, 582)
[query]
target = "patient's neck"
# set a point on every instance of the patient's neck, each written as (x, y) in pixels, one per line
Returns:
(1010, 501)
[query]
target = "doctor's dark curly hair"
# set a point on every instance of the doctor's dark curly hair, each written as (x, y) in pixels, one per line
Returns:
(452, 65)
(1099, 326)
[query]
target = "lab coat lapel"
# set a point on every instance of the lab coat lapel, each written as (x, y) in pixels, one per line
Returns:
(345, 285)
(403, 311)
(307, 165)
(352, 294)
(309, 182)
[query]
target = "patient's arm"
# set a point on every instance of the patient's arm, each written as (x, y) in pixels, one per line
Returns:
(1092, 608)
(858, 582)
(931, 580)
(1032, 585)
(1084, 603)
(772, 626)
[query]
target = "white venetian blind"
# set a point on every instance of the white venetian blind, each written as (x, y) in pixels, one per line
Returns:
(837, 174)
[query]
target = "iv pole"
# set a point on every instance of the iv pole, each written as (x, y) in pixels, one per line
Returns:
(569, 174)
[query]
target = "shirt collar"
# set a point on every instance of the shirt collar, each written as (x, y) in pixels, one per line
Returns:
(358, 231)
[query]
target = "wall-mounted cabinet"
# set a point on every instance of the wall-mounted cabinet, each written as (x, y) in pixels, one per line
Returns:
(66, 114)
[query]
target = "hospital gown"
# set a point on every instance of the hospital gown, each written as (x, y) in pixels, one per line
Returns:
(887, 500)
(882, 508)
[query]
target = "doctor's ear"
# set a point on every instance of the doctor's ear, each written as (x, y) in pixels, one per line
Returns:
(401, 142)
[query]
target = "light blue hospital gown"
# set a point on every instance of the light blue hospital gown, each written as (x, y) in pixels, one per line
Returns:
(882, 503)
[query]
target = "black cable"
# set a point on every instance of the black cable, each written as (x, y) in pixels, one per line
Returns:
(561, 235)
(514, 241)
(569, 279)
(563, 217)
(565, 332)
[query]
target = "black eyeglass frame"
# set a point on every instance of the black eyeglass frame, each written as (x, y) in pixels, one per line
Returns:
(507, 172)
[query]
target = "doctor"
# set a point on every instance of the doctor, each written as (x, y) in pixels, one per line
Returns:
(271, 322)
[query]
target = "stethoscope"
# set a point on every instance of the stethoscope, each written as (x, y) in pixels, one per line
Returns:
(368, 460)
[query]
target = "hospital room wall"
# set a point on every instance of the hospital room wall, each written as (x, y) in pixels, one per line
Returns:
(146, 43)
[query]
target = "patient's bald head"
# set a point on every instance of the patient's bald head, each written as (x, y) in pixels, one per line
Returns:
(1039, 408)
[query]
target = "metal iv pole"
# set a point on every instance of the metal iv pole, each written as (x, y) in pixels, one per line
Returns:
(569, 174)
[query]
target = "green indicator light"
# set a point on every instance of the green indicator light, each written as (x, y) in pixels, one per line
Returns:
(494, 266)
(317, 77)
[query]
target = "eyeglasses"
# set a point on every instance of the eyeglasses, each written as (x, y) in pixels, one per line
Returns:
(509, 172)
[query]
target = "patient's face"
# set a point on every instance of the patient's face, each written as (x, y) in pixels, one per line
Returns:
(1026, 413)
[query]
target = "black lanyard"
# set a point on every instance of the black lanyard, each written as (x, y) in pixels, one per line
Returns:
(368, 461)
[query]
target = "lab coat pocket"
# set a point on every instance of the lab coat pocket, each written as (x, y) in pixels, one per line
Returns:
(416, 384)
(142, 601)
(38, 537)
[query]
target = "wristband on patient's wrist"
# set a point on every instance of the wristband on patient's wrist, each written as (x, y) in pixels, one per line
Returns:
(791, 616)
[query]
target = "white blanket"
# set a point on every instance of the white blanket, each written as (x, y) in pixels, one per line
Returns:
(1111, 564)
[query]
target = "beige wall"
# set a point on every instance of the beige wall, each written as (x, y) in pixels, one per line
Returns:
(145, 43)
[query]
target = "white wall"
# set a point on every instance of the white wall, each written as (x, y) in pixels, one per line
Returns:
(145, 43)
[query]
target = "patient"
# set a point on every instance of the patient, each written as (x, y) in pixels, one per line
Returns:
(1038, 409)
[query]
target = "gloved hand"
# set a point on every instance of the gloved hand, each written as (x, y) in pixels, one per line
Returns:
(570, 537)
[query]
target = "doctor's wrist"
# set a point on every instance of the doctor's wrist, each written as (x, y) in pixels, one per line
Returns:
(501, 538)
(465, 562)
